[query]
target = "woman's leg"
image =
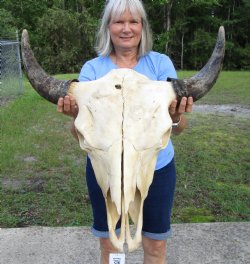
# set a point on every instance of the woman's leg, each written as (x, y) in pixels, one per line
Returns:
(154, 251)
(100, 226)
(106, 248)
(157, 214)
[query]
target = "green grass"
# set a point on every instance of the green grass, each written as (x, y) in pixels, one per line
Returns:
(42, 167)
(213, 167)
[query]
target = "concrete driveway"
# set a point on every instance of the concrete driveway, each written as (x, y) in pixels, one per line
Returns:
(217, 243)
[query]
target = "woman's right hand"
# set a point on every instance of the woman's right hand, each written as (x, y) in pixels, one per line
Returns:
(67, 106)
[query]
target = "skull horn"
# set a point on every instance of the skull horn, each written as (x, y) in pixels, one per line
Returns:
(199, 84)
(47, 86)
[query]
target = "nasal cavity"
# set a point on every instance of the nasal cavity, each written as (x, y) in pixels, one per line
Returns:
(118, 86)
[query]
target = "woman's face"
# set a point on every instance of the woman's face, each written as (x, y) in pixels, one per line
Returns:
(126, 31)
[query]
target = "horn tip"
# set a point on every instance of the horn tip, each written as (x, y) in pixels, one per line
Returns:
(221, 28)
(25, 32)
(25, 38)
(221, 32)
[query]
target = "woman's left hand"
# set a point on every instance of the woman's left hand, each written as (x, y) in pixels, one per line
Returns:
(176, 111)
(185, 105)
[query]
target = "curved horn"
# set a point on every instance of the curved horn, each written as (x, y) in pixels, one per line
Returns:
(199, 84)
(47, 86)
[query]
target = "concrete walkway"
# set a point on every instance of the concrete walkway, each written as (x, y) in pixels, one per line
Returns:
(215, 243)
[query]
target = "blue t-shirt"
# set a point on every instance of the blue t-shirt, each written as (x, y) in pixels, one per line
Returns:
(155, 66)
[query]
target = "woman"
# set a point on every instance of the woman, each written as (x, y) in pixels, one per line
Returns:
(124, 41)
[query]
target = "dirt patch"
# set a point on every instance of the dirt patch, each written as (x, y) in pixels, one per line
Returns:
(11, 184)
(33, 185)
(30, 159)
(229, 110)
(4, 101)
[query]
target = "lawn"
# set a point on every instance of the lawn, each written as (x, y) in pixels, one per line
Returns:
(42, 167)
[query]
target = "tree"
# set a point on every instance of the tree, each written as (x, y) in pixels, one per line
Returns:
(236, 16)
(7, 25)
(183, 29)
(94, 7)
(64, 44)
(25, 12)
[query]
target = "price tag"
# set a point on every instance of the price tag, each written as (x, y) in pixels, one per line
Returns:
(117, 258)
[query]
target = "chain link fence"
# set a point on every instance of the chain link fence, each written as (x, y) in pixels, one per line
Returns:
(11, 82)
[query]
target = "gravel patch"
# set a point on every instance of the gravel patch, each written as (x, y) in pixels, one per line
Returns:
(230, 110)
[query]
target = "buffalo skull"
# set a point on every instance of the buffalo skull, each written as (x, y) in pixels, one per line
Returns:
(122, 123)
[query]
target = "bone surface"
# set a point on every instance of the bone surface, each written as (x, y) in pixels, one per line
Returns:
(123, 122)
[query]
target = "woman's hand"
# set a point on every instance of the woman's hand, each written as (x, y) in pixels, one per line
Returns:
(185, 105)
(67, 106)
(176, 112)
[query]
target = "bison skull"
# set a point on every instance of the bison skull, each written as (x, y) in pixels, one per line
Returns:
(123, 128)
(123, 122)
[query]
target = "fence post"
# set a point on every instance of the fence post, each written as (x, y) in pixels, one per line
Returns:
(19, 65)
(0, 64)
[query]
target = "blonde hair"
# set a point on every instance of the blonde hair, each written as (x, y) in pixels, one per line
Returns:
(114, 9)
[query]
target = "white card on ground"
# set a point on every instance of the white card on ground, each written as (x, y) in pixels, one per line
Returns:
(117, 258)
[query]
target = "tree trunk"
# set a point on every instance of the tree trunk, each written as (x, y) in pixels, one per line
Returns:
(182, 49)
(167, 19)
